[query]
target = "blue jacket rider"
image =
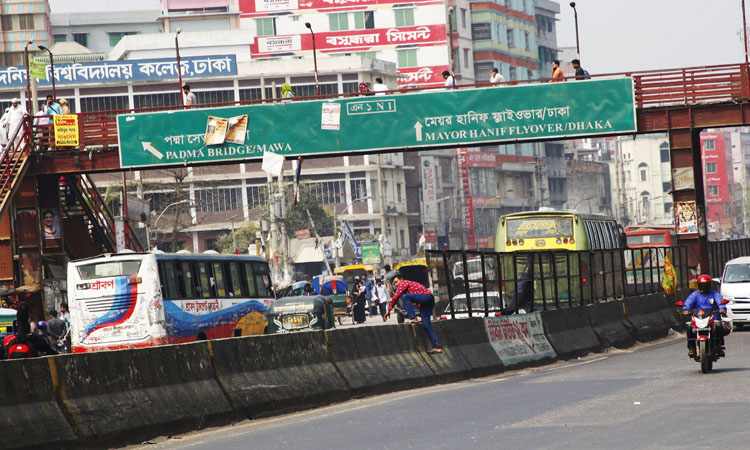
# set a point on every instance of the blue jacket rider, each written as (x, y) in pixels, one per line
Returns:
(703, 298)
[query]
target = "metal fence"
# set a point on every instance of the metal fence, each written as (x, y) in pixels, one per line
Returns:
(473, 283)
(719, 252)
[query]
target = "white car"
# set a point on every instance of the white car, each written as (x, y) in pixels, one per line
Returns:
(735, 287)
(461, 310)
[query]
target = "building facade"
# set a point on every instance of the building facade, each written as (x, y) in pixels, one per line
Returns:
(22, 21)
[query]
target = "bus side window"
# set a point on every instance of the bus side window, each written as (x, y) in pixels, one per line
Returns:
(614, 235)
(186, 280)
(602, 236)
(220, 286)
(168, 278)
(204, 283)
(234, 275)
(249, 280)
(262, 280)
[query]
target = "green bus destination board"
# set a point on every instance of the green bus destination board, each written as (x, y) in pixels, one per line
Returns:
(417, 121)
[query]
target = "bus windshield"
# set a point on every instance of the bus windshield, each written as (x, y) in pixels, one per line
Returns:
(539, 227)
(109, 269)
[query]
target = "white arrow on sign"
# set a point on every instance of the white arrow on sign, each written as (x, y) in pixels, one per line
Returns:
(418, 128)
(150, 148)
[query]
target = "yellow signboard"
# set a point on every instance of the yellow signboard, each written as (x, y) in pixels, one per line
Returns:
(66, 130)
(37, 69)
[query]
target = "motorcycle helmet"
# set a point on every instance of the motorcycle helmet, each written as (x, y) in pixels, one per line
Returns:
(704, 283)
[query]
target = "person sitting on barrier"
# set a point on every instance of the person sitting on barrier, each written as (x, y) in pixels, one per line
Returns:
(705, 297)
(412, 292)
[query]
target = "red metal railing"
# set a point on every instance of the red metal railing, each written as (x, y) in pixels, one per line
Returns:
(655, 88)
(13, 160)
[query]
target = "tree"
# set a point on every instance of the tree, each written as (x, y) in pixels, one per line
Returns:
(296, 214)
(242, 236)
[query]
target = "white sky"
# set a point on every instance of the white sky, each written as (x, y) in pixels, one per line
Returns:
(615, 35)
(625, 35)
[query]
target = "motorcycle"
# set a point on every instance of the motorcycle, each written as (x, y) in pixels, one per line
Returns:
(707, 343)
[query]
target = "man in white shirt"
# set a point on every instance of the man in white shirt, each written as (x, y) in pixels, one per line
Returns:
(448, 79)
(189, 97)
(496, 77)
(379, 88)
(381, 293)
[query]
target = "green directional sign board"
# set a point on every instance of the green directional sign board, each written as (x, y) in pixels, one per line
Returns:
(414, 121)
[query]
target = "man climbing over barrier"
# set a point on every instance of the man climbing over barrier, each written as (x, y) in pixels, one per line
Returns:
(410, 293)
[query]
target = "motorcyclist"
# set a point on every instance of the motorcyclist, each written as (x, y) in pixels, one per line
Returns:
(705, 297)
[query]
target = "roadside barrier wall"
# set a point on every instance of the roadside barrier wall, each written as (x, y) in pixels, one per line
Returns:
(124, 396)
(570, 333)
(467, 352)
(377, 360)
(27, 402)
(610, 325)
(266, 375)
(519, 340)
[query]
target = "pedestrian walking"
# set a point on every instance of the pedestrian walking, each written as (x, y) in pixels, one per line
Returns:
(581, 73)
(11, 119)
(379, 88)
(557, 73)
(412, 293)
(448, 79)
(65, 316)
(496, 77)
(189, 99)
(64, 107)
(381, 293)
(57, 330)
(358, 302)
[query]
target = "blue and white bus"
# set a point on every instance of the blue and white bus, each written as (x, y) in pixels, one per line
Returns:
(132, 300)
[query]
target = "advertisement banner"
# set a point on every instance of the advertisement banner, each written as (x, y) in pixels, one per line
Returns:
(423, 76)
(261, 8)
(66, 130)
(687, 217)
(518, 338)
(481, 159)
(429, 190)
(371, 253)
(419, 121)
(37, 69)
(350, 40)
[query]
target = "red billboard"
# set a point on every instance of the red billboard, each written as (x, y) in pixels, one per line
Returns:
(349, 41)
(422, 76)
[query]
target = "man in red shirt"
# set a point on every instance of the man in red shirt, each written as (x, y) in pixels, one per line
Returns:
(412, 292)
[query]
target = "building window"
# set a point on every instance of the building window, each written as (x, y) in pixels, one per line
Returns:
(664, 149)
(407, 58)
(527, 40)
(256, 196)
(667, 208)
(666, 186)
(250, 94)
(338, 21)
(364, 20)
(26, 22)
(265, 27)
(113, 103)
(710, 167)
(643, 171)
(329, 192)
(708, 144)
(404, 17)
(457, 60)
(463, 18)
(371, 55)
(211, 96)
(480, 31)
(511, 41)
(211, 200)
(398, 193)
(403, 239)
(713, 190)
(359, 190)
(156, 100)
(114, 38)
(466, 58)
(58, 37)
(81, 38)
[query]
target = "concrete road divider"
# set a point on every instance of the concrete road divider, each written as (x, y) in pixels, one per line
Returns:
(29, 416)
(466, 350)
(126, 396)
(519, 340)
(377, 360)
(266, 375)
(610, 326)
(570, 333)
(644, 313)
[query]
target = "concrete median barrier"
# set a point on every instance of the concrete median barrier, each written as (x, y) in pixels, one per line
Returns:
(570, 333)
(377, 360)
(519, 340)
(466, 350)
(644, 314)
(29, 416)
(126, 396)
(267, 375)
(610, 326)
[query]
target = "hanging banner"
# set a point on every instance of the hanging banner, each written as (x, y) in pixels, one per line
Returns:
(687, 217)
(371, 253)
(37, 69)
(66, 130)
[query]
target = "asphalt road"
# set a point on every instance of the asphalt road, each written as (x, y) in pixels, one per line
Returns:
(650, 396)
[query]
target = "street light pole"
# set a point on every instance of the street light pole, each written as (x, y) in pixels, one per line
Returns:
(744, 32)
(451, 12)
(575, 13)
(156, 222)
(52, 68)
(179, 66)
(28, 78)
(315, 58)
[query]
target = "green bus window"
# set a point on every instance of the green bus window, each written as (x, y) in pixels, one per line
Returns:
(234, 275)
(219, 284)
(187, 285)
(250, 280)
(204, 284)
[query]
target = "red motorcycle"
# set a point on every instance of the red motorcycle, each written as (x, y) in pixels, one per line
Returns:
(707, 343)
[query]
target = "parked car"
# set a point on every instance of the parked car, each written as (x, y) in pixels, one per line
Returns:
(495, 306)
(301, 313)
(735, 287)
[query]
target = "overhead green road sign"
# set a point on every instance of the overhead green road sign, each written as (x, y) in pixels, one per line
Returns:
(424, 120)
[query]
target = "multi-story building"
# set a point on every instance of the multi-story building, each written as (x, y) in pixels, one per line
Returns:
(102, 31)
(718, 175)
(21, 22)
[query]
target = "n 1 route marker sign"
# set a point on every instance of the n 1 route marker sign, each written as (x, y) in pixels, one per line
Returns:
(416, 121)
